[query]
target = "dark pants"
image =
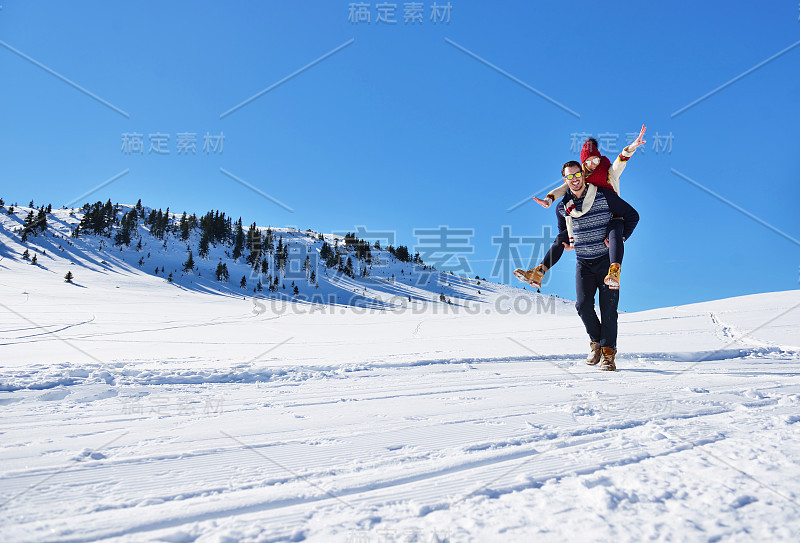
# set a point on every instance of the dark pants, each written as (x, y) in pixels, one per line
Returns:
(616, 247)
(589, 277)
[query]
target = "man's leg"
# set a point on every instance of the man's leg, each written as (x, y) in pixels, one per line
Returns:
(609, 300)
(585, 286)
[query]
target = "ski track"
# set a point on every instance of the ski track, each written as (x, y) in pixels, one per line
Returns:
(43, 377)
(449, 461)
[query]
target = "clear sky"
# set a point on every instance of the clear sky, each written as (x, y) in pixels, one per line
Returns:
(301, 114)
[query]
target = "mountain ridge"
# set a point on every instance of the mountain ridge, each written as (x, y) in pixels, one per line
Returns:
(355, 272)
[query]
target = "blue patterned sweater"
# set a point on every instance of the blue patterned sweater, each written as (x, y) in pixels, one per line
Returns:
(590, 230)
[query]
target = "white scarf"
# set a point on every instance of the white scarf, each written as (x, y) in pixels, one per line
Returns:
(570, 211)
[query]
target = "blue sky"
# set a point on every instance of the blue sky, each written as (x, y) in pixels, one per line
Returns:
(416, 126)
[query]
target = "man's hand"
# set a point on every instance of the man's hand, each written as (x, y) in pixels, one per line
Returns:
(606, 242)
(567, 246)
(638, 141)
(544, 203)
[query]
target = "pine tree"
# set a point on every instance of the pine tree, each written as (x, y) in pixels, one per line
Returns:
(243, 282)
(123, 235)
(68, 277)
(268, 240)
(285, 257)
(402, 254)
(238, 245)
(204, 242)
(184, 227)
(26, 255)
(29, 220)
(41, 220)
(254, 246)
(328, 255)
(325, 252)
(165, 224)
(33, 260)
(189, 264)
(222, 272)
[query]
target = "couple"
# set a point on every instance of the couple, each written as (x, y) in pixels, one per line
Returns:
(594, 221)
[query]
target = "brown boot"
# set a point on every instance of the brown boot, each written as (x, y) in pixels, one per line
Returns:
(608, 359)
(612, 279)
(594, 355)
(532, 277)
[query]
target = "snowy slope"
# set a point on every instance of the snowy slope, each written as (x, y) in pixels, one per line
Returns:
(135, 410)
(390, 283)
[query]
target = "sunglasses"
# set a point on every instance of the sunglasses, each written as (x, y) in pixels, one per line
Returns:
(594, 161)
(572, 175)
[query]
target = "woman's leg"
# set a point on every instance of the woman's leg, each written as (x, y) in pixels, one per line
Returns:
(616, 247)
(554, 254)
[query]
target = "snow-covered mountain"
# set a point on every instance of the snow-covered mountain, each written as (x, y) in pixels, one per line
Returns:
(381, 281)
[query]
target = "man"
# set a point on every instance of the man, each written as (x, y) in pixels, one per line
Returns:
(595, 208)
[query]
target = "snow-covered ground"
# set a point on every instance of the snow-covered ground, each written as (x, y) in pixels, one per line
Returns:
(136, 410)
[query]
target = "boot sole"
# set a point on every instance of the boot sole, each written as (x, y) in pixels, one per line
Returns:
(522, 278)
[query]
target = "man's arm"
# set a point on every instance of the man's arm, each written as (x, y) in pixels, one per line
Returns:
(563, 235)
(621, 208)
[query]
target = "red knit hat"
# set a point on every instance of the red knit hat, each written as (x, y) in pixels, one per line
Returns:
(589, 149)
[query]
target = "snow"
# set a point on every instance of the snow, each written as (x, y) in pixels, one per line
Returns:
(134, 409)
